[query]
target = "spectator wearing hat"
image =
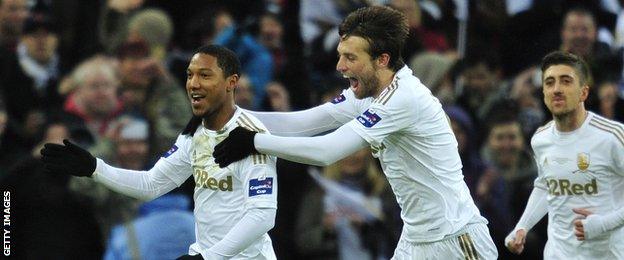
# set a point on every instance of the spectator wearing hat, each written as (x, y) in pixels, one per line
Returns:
(29, 78)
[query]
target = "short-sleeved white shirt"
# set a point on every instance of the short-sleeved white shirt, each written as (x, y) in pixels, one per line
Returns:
(409, 132)
(223, 194)
(580, 169)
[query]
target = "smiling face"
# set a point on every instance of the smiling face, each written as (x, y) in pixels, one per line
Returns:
(208, 89)
(356, 64)
(563, 92)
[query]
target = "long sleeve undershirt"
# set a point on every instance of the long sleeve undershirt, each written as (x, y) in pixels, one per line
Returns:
(319, 150)
(145, 185)
(536, 209)
(307, 122)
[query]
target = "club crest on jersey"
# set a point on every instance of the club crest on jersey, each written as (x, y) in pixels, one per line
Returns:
(260, 186)
(369, 118)
(582, 162)
(338, 99)
(173, 149)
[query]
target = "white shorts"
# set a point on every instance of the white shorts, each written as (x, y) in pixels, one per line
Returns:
(472, 242)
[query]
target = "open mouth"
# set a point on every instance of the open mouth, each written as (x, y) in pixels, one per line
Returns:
(196, 98)
(354, 83)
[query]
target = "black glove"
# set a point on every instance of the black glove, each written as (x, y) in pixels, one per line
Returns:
(238, 145)
(190, 257)
(67, 159)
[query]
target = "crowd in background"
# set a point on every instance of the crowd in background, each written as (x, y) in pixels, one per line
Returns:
(110, 75)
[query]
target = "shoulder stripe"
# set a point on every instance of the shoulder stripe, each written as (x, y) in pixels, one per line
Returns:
(245, 125)
(246, 122)
(387, 93)
(259, 158)
(618, 133)
(609, 122)
(544, 127)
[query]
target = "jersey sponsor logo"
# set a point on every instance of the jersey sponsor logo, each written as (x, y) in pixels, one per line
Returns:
(369, 118)
(203, 180)
(260, 186)
(173, 149)
(338, 99)
(564, 187)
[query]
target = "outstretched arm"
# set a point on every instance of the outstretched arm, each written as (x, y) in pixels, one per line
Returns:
(307, 122)
(71, 159)
(146, 185)
(319, 150)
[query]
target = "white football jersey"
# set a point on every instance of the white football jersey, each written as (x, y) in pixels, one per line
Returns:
(580, 169)
(223, 194)
(410, 134)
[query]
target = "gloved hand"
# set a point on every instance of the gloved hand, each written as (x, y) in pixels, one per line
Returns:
(238, 145)
(67, 159)
(190, 257)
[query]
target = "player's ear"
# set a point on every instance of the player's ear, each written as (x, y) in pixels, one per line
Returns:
(383, 60)
(584, 92)
(232, 82)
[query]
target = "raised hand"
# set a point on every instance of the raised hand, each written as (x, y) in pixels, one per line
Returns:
(67, 159)
(238, 145)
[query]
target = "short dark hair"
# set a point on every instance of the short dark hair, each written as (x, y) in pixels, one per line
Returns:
(580, 11)
(226, 59)
(384, 28)
(569, 59)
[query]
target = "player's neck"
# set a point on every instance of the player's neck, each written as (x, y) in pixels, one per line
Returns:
(217, 120)
(571, 121)
(385, 78)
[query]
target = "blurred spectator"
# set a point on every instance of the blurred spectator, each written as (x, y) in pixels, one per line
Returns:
(481, 85)
(113, 26)
(29, 78)
(13, 13)
(463, 128)
(278, 97)
(611, 104)
(579, 36)
(256, 60)
(421, 36)
(526, 91)
(435, 72)
(503, 192)
(270, 35)
(93, 101)
(330, 226)
(128, 141)
(154, 27)
(47, 220)
(164, 229)
(243, 93)
(149, 91)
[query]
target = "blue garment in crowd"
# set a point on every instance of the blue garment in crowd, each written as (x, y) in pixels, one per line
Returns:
(256, 60)
(164, 229)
